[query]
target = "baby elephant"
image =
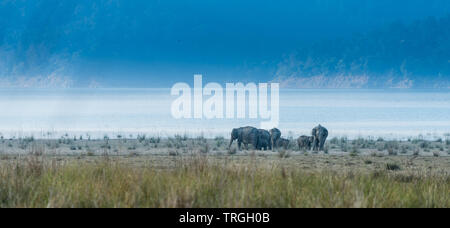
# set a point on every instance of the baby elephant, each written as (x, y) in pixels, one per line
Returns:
(305, 142)
(282, 142)
(263, 140)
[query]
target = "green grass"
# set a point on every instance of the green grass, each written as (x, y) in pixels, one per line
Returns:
(198, 181)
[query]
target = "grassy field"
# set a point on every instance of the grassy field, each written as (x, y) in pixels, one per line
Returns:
(183, 172)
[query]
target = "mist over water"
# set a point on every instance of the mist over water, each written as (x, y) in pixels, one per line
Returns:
(51, 113)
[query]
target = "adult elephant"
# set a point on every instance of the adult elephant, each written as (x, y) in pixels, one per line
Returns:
(264, 140)
(304, 142)
(246, 135)
(320, 134)
(275, 134)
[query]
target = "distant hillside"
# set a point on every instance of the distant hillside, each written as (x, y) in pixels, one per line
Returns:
(416, 55)
(141, 43)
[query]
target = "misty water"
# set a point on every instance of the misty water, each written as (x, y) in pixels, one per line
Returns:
(51, 113)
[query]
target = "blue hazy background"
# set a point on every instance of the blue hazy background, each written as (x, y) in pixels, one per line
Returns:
(149, 43)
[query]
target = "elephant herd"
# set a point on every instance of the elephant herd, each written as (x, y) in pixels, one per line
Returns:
(263, 139)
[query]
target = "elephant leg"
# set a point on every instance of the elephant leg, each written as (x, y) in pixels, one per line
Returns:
(255, 143)
(239, 145)
(322, 142)
(246, 146)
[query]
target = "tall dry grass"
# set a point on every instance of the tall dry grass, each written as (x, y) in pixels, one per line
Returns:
(200, 182)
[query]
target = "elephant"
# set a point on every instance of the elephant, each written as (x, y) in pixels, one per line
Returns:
(275, 134)
(263, 140)
(282, 142)
(246, 135)
(305, 142)
(320, 135)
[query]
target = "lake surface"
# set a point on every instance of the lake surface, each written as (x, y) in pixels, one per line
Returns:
(397, 114)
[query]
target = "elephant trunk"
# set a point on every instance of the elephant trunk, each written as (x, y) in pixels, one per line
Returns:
(231, 142)
(272, 143)
(316, 143)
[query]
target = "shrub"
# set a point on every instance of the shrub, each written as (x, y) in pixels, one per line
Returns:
(232, 151)
(133, 154)
(392, 152)
(219, 141)
(334, 140)
(283, 153)
(344, 148)
(376, 154)
(424, 144)
(141, 138)
(155, 140)
(37, 150)
(393, 166)
(204, 149)
(404, 149)
(105, 146)
(361, 143)
(4, 156)
(181, 138)
(354, 151)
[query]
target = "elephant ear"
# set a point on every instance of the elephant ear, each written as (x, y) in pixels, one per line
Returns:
(234, 133)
